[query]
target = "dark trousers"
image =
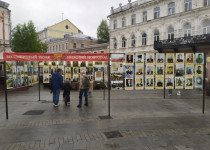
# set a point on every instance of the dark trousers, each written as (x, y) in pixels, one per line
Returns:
(80, 96)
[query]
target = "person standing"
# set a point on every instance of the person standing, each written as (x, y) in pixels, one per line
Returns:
(57, 84)
(66, 92)
(84, 85)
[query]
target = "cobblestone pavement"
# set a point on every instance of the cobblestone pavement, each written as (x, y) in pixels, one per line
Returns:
(141, 120)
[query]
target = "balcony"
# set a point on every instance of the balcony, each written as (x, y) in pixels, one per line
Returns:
(176, 43)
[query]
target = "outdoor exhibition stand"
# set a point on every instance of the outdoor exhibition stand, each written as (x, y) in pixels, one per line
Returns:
(38, 57)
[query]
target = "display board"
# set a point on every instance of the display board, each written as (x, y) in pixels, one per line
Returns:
(154, 71)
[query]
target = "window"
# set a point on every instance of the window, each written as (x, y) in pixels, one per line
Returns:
(115, 43)
(144, 16)
(157, 12)
(171, 8)
(156, 35)
(188, 5)
(115, 24)
(171, 34)
(123, 22)
(50, 49)
(133, 41)
(63, 46)
(75, 45)
(56, 48)
(187, 30)
(206, 27)
(133, 19)
(144, 39)
(82, 45)
(53, 48)
(66, 45)
(102, 51)
(123, 42)
(95, 52)
(206, 2)
(59, 47)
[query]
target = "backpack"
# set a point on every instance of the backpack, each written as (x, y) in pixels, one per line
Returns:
(86, 83)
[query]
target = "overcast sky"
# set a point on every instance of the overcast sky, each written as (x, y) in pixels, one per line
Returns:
(85, 14)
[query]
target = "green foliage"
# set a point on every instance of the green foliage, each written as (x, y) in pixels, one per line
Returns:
(25, 39)
(103, 32)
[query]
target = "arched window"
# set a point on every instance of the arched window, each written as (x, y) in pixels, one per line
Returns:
(133, 41)
(187, 30)
(144, 39)
(171, 8)
(206, 27)
(171, 33)
(187, 5)
(123, 22)
(115, 43)
(123, 42)
(133, 19)
(156, 12)
(206, 2)
(156, 35)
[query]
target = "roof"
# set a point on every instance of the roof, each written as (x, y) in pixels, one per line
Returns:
(4, 4)
(58, 23)
(90, 47)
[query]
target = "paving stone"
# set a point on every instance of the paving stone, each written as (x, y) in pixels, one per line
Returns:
(66, 147)
(80, 146)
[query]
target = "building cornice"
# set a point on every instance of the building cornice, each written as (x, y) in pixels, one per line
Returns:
(165, 18)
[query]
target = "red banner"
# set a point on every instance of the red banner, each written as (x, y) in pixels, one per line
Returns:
(55, 56)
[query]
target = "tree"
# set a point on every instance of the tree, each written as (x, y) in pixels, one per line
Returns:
(25, 39)
(103, 32)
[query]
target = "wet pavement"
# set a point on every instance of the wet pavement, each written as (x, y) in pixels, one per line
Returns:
(141, 120)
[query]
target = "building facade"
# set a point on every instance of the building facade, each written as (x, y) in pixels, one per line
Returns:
(135, 26)
(5, 27)
(58, 31)
(70, 42)
(96, 48)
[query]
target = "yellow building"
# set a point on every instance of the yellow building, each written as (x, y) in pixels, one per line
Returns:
(58, 31)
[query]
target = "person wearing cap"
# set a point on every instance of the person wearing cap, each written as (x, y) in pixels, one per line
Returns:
(57, 84)
(84, 85)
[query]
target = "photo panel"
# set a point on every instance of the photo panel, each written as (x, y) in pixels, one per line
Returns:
(129, 71)
(169, 82)
(46, 78)
(75, 64)
(198, 70)
(98, 76)
(170, 70)
(139, 59)
(149, 58)
(179, 58)
(60, 63)
(149, 83)
(170, 58)
(179, 83)
(53, 69)
(150, 70)
(139, 84)
(128, 83)
(179, 72)
(189, 70)
(83, 64)
(54, 63)
(139, 70)
(199, 82)
(189, 58)
(189, 83)
(46, 63)
(67, 70)
(89, 70)
(75, 70)
(159, 82)
(129, 59)
(90, 63)
(159, 70)
(199, 58)
(160, 58)
(46, 70)
(117, 85)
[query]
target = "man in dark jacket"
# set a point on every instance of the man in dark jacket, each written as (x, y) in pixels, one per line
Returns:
(57, 84)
